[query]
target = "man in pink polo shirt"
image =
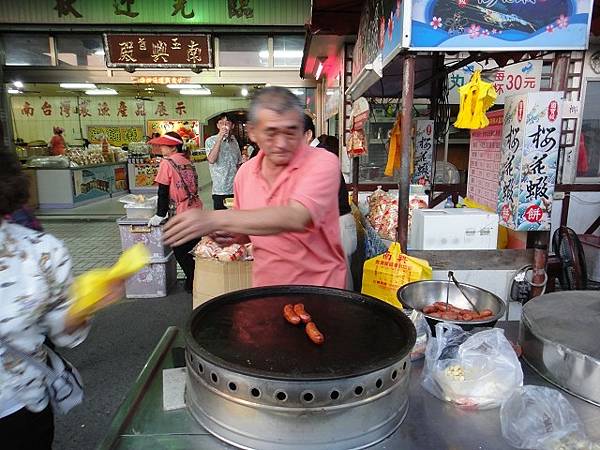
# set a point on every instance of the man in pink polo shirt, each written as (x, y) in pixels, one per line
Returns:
(285, 202)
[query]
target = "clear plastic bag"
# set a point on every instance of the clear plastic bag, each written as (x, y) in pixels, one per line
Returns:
(471, 371)
(541, 418)
(423, 333)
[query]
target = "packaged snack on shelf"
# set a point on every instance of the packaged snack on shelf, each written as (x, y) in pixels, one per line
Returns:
(209, 249)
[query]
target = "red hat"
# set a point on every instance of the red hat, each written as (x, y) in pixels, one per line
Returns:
(166, 139)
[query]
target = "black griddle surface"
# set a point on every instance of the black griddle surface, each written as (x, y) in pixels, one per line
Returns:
(245, 332)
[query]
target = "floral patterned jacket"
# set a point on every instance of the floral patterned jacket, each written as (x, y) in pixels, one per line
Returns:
(35, 277)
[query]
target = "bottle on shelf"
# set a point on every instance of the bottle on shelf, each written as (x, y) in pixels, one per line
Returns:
(449, 203)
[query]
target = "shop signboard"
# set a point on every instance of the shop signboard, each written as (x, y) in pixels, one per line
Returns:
(530, 142)
(187, 129)
(514, 79)
(116, 135)
(156, 12)
(484, 161)
(158, 50)
(423, 155)
(96, 182)
(454, 25)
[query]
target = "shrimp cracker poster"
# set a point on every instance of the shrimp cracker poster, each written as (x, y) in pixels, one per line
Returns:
(501, 24)
(530, 142)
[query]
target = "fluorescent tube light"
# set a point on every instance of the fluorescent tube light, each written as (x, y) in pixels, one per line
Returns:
(78, 85)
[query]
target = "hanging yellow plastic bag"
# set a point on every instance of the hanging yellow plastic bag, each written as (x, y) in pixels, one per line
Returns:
(91, 287)
(476, 97)
(383, 275)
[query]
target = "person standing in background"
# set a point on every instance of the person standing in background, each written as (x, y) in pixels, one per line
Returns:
(177, 192)
(57, 143)
(224, 158)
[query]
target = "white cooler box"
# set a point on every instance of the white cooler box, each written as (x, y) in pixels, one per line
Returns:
(154, 280)
(454, 229)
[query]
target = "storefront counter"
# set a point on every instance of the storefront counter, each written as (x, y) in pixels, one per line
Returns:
(77, 186)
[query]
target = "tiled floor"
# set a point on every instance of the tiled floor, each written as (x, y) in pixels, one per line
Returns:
(92, 244)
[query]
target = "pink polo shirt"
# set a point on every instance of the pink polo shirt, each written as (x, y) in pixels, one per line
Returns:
(312, 257)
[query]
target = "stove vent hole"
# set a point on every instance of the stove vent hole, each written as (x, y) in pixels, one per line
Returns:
(379, 383)
(232, 386)
(200, 368)
(358, 390)
(394, 374)
(214, 377)
(334, 395)
(308, 397)
(404, 366)
(255, 392)
(281, 396)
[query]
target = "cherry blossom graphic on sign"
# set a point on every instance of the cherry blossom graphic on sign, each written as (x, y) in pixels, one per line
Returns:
(562, 21)
(485, 33)
(494, 31)
(436, 22)
(550, 28)
(474, 31)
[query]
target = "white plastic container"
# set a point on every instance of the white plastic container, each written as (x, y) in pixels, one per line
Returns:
(454, 229)
(153, 281)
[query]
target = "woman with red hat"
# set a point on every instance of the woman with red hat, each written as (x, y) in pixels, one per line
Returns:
(177, 192)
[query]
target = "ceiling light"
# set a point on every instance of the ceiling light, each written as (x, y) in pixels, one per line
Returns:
(149, 89)
(288, 53)
(99, 52)
(244, 92)
(14, 91)
(201, 91)
(263, 54)
(78, 85)
(101, 92)
(18, 84)
(298, 91)
(185, 86)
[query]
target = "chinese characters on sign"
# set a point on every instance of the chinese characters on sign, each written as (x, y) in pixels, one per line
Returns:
(66, 7)
(518, 78)
(160, 80)
(116, 135)
(158, 50)
(180, 108)
(161, 109)
(484, 161)
(530, 141)
(65, 108)
(423, 152)
(27, 109)
(240, 8)
(127, 11)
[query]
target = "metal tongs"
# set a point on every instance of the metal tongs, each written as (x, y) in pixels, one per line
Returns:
(459, 287)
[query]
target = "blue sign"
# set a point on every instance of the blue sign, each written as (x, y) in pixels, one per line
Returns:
(500, 24)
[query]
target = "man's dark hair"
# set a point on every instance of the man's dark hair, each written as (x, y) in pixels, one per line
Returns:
(330, 143)
(224, 116)
(309, 125)
(14, 184)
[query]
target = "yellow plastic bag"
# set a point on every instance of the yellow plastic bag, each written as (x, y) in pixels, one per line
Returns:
(91, 287)
(476, 97)
(383, 275)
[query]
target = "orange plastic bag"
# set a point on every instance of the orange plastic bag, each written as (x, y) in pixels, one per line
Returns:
(383, 275)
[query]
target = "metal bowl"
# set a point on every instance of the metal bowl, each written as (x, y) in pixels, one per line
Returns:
(419, 294)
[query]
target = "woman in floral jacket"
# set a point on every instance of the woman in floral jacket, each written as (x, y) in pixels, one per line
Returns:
(35, 278)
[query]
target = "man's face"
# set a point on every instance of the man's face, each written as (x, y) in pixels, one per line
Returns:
(222, 123)
(279, 135)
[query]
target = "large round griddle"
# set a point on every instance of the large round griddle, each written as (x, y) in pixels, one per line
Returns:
(245, 332)
(559, 335)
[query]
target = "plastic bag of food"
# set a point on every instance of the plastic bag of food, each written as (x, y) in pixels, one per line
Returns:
(541, 418)
(423, 333)
(477, 371)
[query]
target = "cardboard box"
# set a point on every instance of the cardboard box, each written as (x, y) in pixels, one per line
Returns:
(213, 278)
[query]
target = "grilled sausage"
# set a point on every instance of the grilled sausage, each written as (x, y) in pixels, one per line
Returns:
(300, 312)
(290, 315)
(429, 309)
(486, 313)
(314, 334)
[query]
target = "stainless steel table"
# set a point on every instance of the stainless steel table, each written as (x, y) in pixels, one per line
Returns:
(141, 423)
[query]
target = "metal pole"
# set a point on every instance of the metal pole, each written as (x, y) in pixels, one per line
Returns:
(541, 239)
(408, 85)
(6, 131)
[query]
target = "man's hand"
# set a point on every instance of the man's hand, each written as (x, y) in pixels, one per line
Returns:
(191, 224)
